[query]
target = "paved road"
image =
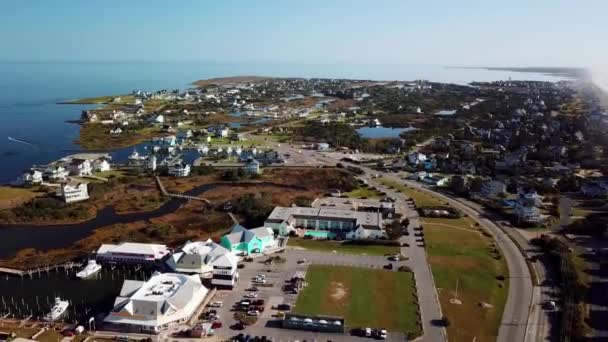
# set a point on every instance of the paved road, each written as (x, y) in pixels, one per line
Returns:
(430, 309)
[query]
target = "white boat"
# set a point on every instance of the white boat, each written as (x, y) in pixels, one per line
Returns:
(90, 269)
(57, 310)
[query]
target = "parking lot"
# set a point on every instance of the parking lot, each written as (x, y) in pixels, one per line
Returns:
(277, 275)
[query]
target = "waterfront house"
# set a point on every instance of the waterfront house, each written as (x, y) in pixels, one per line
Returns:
(30, 178)
(149, 307)
(241, 240)
(80, 167)
(179, 170)
(56, 173)
(101, 165)
(207, 259)
(74, 192)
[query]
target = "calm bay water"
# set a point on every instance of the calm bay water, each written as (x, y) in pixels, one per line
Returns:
(29, 93)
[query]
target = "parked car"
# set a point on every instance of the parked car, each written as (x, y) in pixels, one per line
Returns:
(259, 302)
(284, 307)
(368, 332)
(217, 304)
(252, 289)
(253, 313)
(251, 295)
(238, 326)
(388, 266)
(302, 261)
(216, 325)
(382, 334)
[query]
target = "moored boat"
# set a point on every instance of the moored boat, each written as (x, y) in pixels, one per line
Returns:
(58, 309)
(90, 269)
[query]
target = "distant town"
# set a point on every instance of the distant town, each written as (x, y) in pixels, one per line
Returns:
(258, 208)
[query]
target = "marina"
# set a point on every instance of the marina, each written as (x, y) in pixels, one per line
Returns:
(35, 297)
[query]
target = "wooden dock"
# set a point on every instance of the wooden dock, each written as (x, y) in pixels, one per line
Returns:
(38, 270)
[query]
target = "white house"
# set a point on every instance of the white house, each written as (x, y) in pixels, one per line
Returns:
(151, 306)
(101, 165)
(152, 163)
(80, 167)
(322, 146)
(252, 166)
(29, 178)
(364, 234)
(74, 192)
(527, 214)
(206, 258)
(222, 132)
(179, 170)
(160, 119)
(416, 158)
(56, 173)
(116, 131)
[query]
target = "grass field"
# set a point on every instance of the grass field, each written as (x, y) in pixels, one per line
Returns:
(13, 196)
(330, 246)
(459, 253)
(420, 198)
(366, 192)
(364, 297)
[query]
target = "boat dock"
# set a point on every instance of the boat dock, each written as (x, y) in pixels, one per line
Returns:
(38, 270)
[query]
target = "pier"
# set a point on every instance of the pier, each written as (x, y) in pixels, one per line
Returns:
(165, 193)
(38, 270)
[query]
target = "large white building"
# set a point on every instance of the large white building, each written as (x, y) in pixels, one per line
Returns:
(151, 306)
(74, 192)
(206, 258)
(324, 222)
(132, 252)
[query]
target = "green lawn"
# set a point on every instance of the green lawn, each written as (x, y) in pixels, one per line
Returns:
(364, 297)
(330, 246)
(459, 253)
(420, 198)
(366, 192)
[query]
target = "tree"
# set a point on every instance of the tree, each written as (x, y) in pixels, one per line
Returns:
(393, 230)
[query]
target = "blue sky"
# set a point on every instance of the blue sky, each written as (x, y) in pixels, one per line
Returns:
(488, 33)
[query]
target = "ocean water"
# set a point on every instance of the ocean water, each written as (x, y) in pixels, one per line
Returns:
(39, 133)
